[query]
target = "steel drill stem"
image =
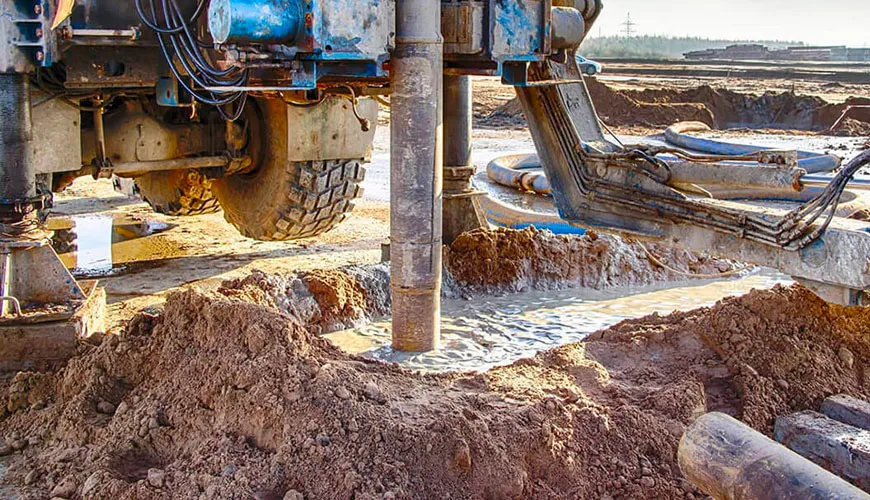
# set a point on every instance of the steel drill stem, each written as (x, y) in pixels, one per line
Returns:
(415, 176)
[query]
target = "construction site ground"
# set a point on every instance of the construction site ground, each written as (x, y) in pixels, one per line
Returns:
(214, 380)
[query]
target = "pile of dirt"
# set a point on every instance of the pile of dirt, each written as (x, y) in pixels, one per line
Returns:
(323, 300)
(481, 261)
(719, 108)
(507, 260)
(220, 397)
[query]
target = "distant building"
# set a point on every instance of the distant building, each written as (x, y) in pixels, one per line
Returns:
(755, 52)
(747, 52)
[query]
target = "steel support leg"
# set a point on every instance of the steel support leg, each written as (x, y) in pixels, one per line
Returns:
(17, 174)
(462, 210)
(457, 121)
(415, 175)
(43, 310)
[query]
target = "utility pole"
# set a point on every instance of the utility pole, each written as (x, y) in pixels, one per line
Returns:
(629, 26)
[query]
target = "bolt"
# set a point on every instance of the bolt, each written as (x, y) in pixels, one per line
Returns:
(37, 9)
(40, 56)
(38, 32)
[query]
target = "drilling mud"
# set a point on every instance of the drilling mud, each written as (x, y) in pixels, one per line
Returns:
(717, 107)
(506, 260)
(230, 394)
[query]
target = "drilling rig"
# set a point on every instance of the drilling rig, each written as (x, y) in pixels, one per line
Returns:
(267, 109)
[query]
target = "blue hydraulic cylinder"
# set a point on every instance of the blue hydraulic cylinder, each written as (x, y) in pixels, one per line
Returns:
(254, 21)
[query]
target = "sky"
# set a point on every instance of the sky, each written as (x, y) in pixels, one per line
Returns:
(817, 22)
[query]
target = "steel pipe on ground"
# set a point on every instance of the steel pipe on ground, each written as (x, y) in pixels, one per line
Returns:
(726, 459)
(416, 176)
(514, 171)
(677, 135)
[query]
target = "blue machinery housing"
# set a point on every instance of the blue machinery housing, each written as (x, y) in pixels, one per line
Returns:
(353, 39)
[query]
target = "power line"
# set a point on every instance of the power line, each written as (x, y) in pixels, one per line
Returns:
(629, 26)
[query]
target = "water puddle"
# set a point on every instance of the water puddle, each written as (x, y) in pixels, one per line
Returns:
(100, 245)
(491, 331)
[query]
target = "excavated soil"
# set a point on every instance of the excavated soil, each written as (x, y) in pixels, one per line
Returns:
(506, 260)
(217, 397)
(229, 394)
(717, 107)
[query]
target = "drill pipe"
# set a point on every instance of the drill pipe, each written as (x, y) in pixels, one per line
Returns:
(416, 176)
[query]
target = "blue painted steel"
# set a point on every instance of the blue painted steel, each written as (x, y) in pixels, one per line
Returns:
(504, 215)
(254, 21)
(171, 94)
(518, 29)
(813, 163)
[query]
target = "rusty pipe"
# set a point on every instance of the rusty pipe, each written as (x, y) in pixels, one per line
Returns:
(457, 120)
(133, 168)
(729, 460)
(416, 176)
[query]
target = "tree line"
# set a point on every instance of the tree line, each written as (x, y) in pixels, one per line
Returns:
(663, 47)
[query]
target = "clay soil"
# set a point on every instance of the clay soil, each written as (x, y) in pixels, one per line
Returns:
(652, 107)
(228, 391)
(506, 260)
(229, 394)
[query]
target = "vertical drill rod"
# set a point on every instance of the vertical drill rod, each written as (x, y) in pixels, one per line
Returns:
(415, 175)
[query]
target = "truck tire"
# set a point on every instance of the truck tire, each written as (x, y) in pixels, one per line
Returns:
(290, 201)
(178, 192)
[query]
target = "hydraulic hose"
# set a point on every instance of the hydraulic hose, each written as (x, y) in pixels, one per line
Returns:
(677, 135)
(514, 171)
(522, 172)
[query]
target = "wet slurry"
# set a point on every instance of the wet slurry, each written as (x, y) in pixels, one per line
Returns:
(484, 332)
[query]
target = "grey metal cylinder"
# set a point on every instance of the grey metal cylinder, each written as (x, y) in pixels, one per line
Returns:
(568, 27)
(457, 120)
(17, 168)
(727, 459)
(415, 176)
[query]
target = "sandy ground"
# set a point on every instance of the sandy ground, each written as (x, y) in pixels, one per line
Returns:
(206, 250)
(229, 392)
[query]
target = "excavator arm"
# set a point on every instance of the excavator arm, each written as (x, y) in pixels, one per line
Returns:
(659, 193)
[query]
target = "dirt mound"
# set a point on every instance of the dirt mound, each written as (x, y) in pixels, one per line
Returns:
(322, 300)
(511, 261)
(718, 108)
(219, 397)
(499, 261)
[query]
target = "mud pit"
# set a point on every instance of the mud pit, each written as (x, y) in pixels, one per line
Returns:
(230, 394)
